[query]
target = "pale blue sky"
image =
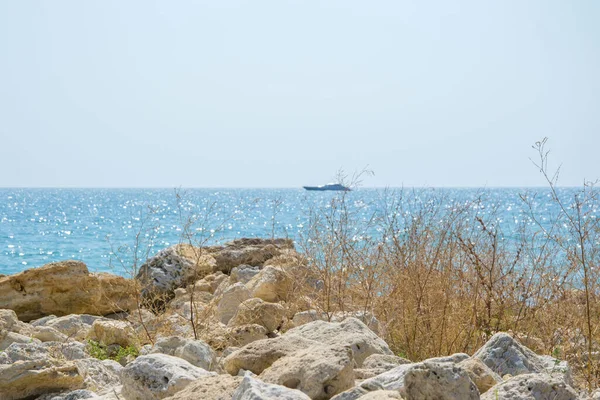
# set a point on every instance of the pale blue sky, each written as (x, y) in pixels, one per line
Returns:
(285, 93)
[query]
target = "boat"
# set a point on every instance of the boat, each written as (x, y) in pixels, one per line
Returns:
(329, 186)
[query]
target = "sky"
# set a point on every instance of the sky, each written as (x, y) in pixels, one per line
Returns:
(287, 93)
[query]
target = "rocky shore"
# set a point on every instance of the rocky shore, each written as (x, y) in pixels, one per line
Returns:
(231, 322)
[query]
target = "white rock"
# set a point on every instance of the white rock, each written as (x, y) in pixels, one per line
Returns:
(99, 376)
(532, 387)
(156, 376)
(229, 301)
(350, 331)
(505, 355)
(196, 352)
(74, 326)
(244, 273)
(8, 338)
(254, 389)
(439, 381)
(319, 371)
(48, 334)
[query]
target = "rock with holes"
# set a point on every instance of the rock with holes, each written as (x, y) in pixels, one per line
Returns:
(156, 376)
(481, 375)
(30, 370)
(257, 311)
(377, 364)
(255, 389)
(63, 288)
(248, 251)
(439, 381)
(229, 301)
(239, 336)
(532, 387)
(196, 352)
(220, 387)
(321, 371)
(172, 268)
(99, 376)
(79, 394)
(351, 332)
(259, 355)
(505, 355)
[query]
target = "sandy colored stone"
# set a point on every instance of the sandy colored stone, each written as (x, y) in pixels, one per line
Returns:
(107, 332)
(257, 311)
(220, 387)
(481, 375)
(63, 288)
(272, 284)
(532, 387)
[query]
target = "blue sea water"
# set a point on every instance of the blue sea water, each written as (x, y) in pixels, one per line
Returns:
(38, 226)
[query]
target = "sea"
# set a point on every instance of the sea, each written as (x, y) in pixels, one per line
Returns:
(113, 229)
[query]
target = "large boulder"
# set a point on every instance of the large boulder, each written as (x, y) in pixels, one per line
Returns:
(350, 331)
(257, 311)
(156, 376)
(107, 332)
(29, 370)
(196, 352)
(173, 267)
(75, 326)
(261, 354)
(481, 375)
(99, 376)
(377, 364)
(320, 371)
(439, 381)
(63, 288)
(220, 387)
(505, 355)
(532, 387)
(229, 301)
(254, 389)
(248, 251)
(271, 284)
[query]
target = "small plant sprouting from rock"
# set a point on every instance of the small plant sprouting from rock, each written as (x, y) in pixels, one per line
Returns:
(116, 353)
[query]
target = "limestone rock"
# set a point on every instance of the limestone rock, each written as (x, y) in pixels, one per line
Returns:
(112, 332)
(174, 267)
(257, 311)
(156, 376)
(271, 284)
(28, 370)
(229, 301)
(239, 336)
(532, 387)
(254, 252)
(244, 273)
(350, 331)
(79, 394)
(63, 288)
(320, 372)
(254, 389)
(382, 395)
(99, 376)
(8, 338)
(438, 381)
(211, 282)
(377, 364)
(505, 355)
(196, 352)
(220, 387)
(259, 355)
(48, 334)
(481, 375)
(75, 326)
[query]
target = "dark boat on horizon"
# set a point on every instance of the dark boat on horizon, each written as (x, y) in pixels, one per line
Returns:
(329, 186)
